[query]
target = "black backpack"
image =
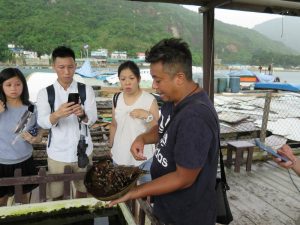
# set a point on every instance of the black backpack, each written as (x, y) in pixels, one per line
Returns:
(51, 100)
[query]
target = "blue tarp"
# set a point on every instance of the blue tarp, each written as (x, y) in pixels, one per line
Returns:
(278, 86)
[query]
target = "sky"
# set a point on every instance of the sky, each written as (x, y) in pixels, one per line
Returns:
(239, 18)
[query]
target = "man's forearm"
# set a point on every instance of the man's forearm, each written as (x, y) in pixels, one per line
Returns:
(53, 118)
(151, 136)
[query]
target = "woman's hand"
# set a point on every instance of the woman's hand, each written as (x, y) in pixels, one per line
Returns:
(31, 139)
(139, 113)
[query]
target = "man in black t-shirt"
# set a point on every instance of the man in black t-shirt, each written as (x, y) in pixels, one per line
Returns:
(185, 161)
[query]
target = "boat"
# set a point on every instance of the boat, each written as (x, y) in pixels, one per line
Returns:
(247, 77)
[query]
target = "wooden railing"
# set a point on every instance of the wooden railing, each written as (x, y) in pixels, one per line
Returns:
(67, 177)
(41, 179)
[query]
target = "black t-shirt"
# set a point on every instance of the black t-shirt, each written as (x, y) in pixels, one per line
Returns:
(191, 141)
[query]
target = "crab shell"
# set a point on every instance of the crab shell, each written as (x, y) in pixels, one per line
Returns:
(106, 181)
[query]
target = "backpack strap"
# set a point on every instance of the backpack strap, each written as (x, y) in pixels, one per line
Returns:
(51, 96)
(115, 99)
(82, 92)
(51, 99)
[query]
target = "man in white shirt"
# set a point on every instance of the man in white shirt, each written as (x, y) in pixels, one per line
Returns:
(68, 122)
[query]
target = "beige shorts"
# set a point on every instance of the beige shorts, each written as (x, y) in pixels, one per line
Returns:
(56, 189)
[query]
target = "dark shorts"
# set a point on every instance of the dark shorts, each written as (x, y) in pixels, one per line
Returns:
(28, 169)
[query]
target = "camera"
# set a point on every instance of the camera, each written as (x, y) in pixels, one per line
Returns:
(83, 159)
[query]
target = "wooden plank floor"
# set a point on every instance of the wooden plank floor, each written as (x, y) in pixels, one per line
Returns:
(264, 196)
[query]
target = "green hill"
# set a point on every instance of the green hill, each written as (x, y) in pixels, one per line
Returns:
(41, 25)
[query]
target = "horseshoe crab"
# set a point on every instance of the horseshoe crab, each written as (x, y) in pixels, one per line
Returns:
(106, 181)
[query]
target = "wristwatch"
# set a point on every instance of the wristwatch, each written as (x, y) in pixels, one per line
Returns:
(149, 118)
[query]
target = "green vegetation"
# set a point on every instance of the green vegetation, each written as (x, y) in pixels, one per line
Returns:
(4, 51)
(41, 25)
(281, 60)
(283, 30)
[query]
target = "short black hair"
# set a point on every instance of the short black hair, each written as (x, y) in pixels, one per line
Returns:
(132, 66)
(174, 54)
(63, 52)
(9, 73)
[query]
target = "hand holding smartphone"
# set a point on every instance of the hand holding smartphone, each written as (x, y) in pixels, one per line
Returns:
(73, 97)
(268, 149)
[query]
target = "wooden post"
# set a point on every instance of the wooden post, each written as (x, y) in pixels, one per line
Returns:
(67, 189)
(208, 52)
(142, 214)
(148, 211)
(18, 187)
(265, 117)
(42, 186)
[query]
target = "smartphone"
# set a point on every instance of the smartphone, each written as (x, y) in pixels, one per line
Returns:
(268, 149)
(73, 97)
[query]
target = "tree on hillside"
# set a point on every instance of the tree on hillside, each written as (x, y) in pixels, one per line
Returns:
(5, 53)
